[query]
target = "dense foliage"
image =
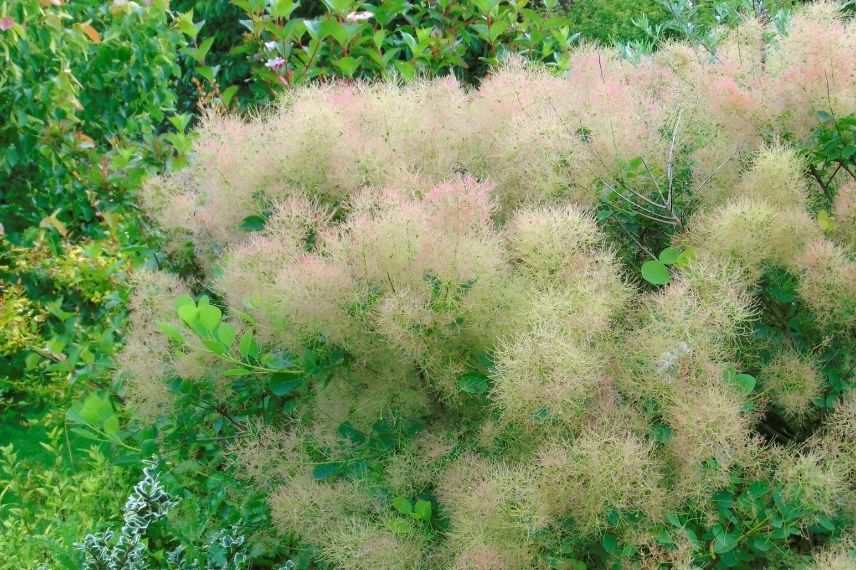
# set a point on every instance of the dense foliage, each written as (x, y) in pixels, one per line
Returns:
(598, 320)
(395, 403)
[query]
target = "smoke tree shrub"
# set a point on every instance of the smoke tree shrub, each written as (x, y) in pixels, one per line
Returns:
(424, 320)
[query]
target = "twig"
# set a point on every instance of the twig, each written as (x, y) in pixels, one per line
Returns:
(642, 209)
(653, 178)
(715, 170)
(671, 157)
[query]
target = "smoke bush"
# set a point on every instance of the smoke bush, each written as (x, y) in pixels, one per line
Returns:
(481, 380)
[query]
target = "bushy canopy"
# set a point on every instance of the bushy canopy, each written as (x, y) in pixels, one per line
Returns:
(473, 257)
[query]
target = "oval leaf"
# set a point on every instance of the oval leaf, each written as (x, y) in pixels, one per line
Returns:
(745, 382)
(254, 223)
(655, 272)
(670, 255)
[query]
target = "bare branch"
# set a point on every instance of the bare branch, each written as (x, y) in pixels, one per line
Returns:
(669, 164)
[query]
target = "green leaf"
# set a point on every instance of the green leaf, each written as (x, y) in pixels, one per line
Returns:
(686, 257)
(184, 23)
(406, 69)
(725, 542)
(96, 409)
(672, 519)
(214, 345)
(339, 7)
(473, 383)
(670, 255)
(254, 223)
(349, 432)
(247, 346)
(111, 426)
(324, 471)
(184, 299)
(655, 272)
(825, 221)
(402, 505)
(745, 382)
(282, 385)
(226, 334)
(172, 332)
(760, 543)
(282, 8)
(198, 53)
(610, 544)
(227, 94)
(188, 314)
(665, 538)
(208, 72)
(339, 31)
(347, 65)
(209, 316)
(422, 510)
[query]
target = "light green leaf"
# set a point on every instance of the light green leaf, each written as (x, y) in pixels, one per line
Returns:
(406, 69)
(209, 316)
(184, 299)
(282, 8)
(111, 426)
(226, 334)
(670, 255)
(402, 505)
(95, 409)
(686, 257)
(347, 65)
(172, 332)
(188, 314)
(184, 23)
(655, 273)
(825, 221)
(247, 346)
(422, 510)
(228, 94)
(745, 382)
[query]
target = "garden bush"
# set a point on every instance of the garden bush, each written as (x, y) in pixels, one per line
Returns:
(83, 84)
(604, 319)
(289, 43)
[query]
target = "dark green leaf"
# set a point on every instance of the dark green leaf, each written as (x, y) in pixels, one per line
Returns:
(253, 223)
(725, 542)
(324, 471)
(281, 385)
(473, 383)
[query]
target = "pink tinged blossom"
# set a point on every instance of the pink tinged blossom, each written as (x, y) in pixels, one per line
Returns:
(460, 205)
(275, 63)
(6, 23)
(359, 16)
(343, 96)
